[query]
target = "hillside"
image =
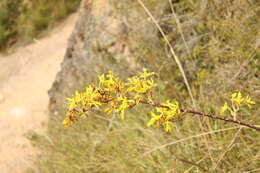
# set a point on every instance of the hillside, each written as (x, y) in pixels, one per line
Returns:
(217, 45)
(203, 53)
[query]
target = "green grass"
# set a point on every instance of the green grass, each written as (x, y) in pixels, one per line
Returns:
(25, 20)
(223, 41)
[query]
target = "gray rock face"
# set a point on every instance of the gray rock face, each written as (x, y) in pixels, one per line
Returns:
(103, 39)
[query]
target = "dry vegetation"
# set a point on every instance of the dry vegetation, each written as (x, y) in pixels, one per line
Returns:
(218, 45)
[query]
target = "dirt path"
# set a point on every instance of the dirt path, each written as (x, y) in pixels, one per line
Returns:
(25, 77)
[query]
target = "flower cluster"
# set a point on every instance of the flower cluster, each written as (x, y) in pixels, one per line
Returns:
(237, 100)
(114, 95)
(166, 113)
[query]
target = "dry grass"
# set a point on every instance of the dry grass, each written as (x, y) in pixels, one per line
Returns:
(223, 42)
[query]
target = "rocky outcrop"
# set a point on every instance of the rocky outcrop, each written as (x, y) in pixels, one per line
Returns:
(107, 36)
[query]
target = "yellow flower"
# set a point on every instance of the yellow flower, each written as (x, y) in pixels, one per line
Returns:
(224, 108)
(91, 97)
(168, 126)
(167, 113)
(71, 117)
(66, 122)
(111, 83)
(117, 95)
(145, 73)
(155, 118)
(123, 104)
(173, 110)
(75, 100)
(101, 79)
(249, 101)
(137, 98)
(138, 85)
(237, 98)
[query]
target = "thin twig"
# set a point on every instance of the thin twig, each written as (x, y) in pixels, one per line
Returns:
(223, 119)
(184, 111)
(180, 28)
(185, 139)
(196, 163)
(106, 119)
(171, 49)
(252, 170)
(97, 116)
(230, 146)
(191, 163)
(205, 115)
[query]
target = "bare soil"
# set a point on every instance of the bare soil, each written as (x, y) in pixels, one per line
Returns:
(25, 77)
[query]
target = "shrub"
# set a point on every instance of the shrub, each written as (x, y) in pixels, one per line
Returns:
(22, 19)
(9, 13)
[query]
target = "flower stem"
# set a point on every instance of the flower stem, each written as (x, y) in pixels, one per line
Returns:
(205, 115)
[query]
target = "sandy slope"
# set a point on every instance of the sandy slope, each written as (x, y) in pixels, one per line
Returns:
(25, 77)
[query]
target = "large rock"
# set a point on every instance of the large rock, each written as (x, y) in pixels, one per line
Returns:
(107, 36)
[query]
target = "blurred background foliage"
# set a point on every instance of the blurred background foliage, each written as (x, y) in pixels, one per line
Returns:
(23, 20)
(218, 43)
